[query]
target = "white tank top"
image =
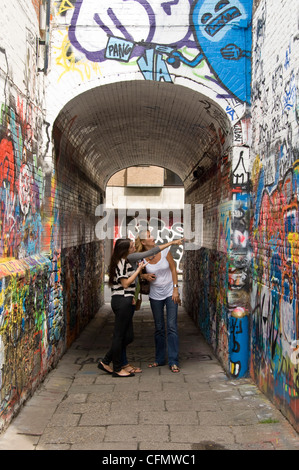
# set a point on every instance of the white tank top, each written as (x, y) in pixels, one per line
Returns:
(162, 286)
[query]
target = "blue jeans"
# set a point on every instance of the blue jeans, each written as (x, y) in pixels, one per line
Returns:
(172, 330)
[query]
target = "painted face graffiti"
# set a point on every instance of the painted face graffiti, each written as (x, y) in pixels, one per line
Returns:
(25, 188)
(221, 30)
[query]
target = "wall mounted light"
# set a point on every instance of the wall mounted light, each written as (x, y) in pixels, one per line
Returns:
(198, 173)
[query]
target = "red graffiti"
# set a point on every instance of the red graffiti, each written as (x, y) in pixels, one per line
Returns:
(7, 167)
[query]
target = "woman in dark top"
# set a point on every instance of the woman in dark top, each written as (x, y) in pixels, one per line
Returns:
(123, 271)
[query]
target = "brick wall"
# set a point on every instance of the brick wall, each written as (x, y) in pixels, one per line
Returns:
(46, 293)
(83, 293)
(81, 253)
(275, 219)
(37, 5)
(31, 329)
(205, 296)
(216, 287)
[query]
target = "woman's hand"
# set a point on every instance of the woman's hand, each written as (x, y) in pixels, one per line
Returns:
(126, 282)
(180, 241)
(141, 265)
(149, 277)
(176, 296)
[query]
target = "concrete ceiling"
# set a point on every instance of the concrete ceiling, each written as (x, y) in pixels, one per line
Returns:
(116, 126)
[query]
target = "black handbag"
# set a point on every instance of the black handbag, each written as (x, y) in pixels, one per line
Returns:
(138, 302)
(144, 284)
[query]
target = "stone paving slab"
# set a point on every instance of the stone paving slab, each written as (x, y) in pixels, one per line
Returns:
(79, 407)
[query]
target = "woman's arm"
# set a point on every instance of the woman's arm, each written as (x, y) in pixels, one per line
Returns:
(127, 281)
(137, 256)
(173, 242)
(172, 266)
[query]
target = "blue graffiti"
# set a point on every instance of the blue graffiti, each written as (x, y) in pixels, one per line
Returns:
(151, 63)
(223, 33)
(119, 49)
(153, 66)
(239, 346)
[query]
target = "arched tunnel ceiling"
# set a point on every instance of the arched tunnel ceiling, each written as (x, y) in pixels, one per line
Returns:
(111, 127)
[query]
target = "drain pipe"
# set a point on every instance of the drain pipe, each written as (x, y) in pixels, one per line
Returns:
(47, 38)
(239, 342)
(44, 20)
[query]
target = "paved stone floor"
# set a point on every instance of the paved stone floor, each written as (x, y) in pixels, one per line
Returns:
(79, 407)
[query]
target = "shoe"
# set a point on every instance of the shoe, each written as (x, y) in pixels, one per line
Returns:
(174, 368)
(115, 374)
(102, 367)
(155, 364)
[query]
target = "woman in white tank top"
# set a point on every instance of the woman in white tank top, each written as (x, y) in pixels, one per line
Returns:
(164, 292)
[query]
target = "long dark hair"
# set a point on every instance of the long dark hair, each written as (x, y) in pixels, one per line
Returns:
(121, 250)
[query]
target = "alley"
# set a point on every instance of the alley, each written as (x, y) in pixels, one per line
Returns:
(183, 115)
(79, 407)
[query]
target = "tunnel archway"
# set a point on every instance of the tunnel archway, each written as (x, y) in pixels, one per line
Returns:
(124, 124)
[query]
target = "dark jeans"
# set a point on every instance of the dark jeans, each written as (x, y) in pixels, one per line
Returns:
(123, 330)
(160, 331)
(124, 359)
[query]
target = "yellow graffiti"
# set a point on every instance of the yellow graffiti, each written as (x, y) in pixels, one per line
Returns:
(293, 241)
(64, 6)
(256, 168)
(70, 63)
(12, 303)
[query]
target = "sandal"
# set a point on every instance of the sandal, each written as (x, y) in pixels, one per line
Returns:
(174, 368)
(155, 364)
(116, 374)
(101, 366)
(132, 369)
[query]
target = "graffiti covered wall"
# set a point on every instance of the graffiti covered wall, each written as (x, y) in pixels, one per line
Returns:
(31, 315)
(221, 270)
(82, 293)
(95, 42)
(39, 313)
(275, 215)
(31, 331)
